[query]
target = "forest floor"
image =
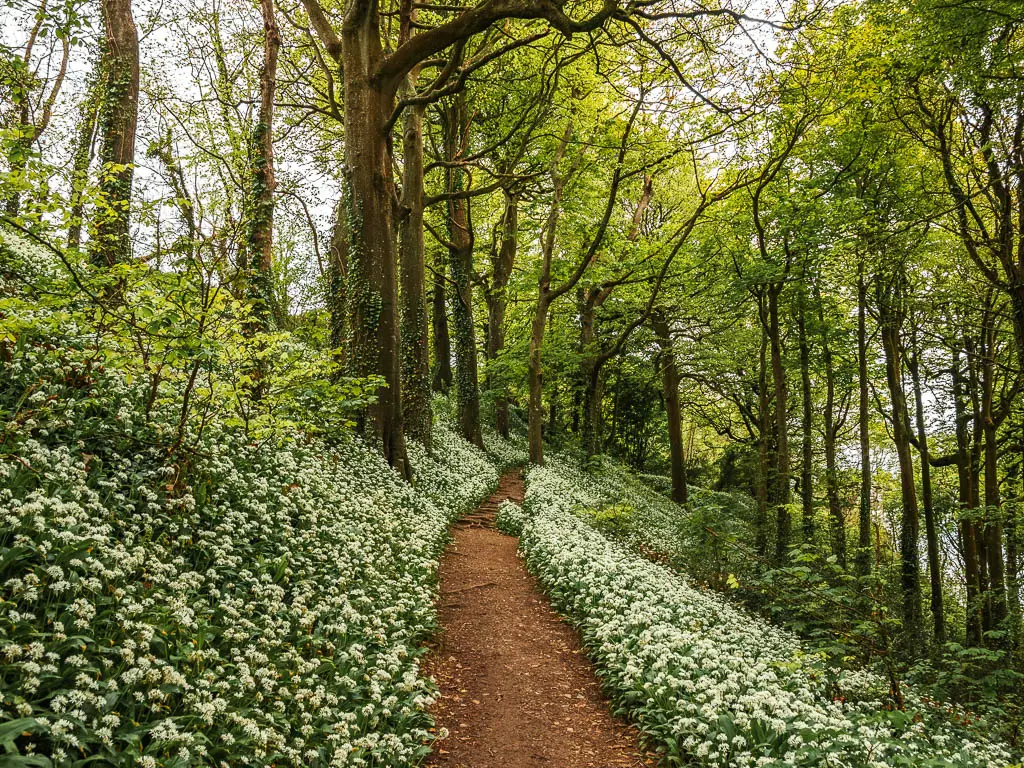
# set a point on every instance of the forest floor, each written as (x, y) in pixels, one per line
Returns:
(516, 688)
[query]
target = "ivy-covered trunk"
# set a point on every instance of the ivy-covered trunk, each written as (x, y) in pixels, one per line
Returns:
(460, 262)
(372, 292)
(415, 351)
(118, 116)
(258, 259)
(497, 300)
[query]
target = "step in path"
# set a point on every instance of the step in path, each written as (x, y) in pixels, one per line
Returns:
(516, 689)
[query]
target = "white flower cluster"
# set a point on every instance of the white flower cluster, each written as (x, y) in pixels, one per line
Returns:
(706, 682)
(270, 614)
(510, 518)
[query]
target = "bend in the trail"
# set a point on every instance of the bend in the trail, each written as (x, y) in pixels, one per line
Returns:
(516, 689)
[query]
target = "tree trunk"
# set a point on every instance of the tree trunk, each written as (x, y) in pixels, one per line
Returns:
(968, 538)
(783, 531)
(807, 424)
(863, 558)
(535, 375)
(259, 214)
(977, 447)
(337, 275)
(670, 382)
(837, 523)
(590, 373)
(460, 258)
(931, 531)
(372, 298)
(118, 116)
(993, 529)
(764, 422)
(441, 378)
(910, 576)
(85, 139)
(416, 411)
(497, 300)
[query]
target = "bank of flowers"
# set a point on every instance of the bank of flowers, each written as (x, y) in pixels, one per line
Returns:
(707, 683)
(209, 590)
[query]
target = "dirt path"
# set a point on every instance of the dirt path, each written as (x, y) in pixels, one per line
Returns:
(516, 689)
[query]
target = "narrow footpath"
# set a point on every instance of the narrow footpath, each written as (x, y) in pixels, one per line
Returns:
(516, 689)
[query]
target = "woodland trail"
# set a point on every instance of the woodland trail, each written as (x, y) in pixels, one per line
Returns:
(516, 689)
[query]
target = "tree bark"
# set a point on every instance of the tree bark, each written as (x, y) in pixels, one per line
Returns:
(535, 369)
(968, 537)
(416, 410)
(460, 262)
(783, 532)
(993, 529)
(118, 117)
(259, 214)
(890, 319)
(807, 425)
(931, 530)
(85, 139)
(863, 558)
(764, 443)
(837, 523)
(502, 263)
(372, 300)
(442, 377)
(337, 276)
(670, 382)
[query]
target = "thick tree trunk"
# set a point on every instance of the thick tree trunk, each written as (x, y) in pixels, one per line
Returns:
(931, 530)
(670, 382)
(535, 370)
(863, 558)
(337, 275)
(977, 446)
(259, 214)
(460, 262)
(910, 575)
(590, 374)
(764, 422)
(993, 529)
(441, 377)
(784, 523)
(807, 426)
(416, 395)
(372, 296)
(497, 300)
(118, 116)
(535, 377)
(968, 538)
(837, 523)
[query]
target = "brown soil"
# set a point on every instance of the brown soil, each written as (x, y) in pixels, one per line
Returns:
(516, 689)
